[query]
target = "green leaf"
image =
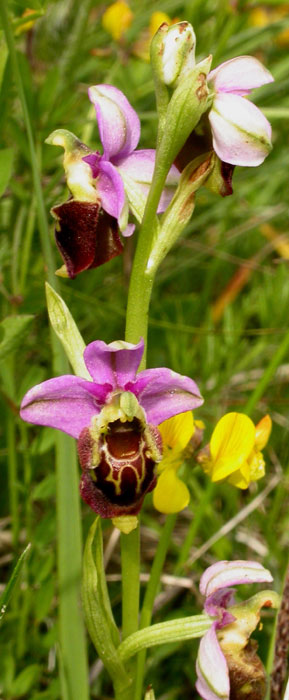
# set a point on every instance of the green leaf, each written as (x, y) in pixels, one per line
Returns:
(177, 630)
(3, 56)
(6, 161)
(13, 328)
(66, 329)
(6, 595)
(25, 680)
(97, 609)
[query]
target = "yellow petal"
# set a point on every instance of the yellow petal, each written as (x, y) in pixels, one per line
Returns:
(177, 431)
(117, 18)
(171, 494)
(233, 438)
(224, 466)
(262, 432)
(242, 477)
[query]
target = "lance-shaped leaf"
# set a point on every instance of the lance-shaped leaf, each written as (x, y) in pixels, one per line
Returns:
(97, 609)
(66, 329)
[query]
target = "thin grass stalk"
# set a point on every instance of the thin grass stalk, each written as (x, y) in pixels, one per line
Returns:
(72, 640)
(150, 594)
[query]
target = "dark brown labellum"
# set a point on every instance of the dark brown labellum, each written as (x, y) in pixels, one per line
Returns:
(247, 674)
(86, 235)
(125, 471)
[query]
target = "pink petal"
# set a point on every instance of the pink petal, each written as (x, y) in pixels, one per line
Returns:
(164, 393)
(230, 573)
(240, 75)
(213, 675)
(118, 123)
(116, 363)
(128, 231)
(241, 133)
(139, 166)
(111, 189)
(67, 403)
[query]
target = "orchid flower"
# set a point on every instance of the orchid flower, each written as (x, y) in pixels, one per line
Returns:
(241, 133)
(235, 448)
(104, 186)
(180, 435)
(227, 662)
(114, 419)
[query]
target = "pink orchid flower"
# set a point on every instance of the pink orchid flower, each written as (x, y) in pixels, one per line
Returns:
(114, 418)
(227, 663)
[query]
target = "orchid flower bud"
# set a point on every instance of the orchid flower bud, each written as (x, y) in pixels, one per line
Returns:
(173, 52)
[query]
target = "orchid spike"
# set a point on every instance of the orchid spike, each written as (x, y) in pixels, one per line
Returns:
(227, 663)
(114, 419)
(241, 133)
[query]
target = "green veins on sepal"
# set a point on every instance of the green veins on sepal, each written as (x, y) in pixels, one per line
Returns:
(66, 329)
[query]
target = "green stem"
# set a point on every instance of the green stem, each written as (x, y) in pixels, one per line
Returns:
(130, 553)
(141, 281)
(151, 590)
(136, 326)
(130, 566)
(13, 479)
(28, 235)
(72, 639)
(267, 376)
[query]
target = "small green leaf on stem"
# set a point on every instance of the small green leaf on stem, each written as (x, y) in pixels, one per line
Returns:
(97, 609)
(66, 329)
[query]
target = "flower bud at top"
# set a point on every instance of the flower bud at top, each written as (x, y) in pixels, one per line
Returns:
(173, 52)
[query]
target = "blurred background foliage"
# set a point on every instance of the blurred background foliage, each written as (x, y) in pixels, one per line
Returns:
(219, 312)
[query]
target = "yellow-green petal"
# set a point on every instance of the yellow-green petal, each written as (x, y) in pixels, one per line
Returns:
(171, 494)
(177, 431)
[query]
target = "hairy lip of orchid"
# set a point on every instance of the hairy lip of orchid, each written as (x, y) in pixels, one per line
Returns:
(228, 665)
(114, 419)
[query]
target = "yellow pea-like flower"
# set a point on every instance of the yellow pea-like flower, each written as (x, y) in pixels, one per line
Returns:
(171, 494)
(117, 18)
(235, 450)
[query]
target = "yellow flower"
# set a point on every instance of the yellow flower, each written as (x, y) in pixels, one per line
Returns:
(235, 450)
(264, 16)
(117, 18)
(171, 494)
